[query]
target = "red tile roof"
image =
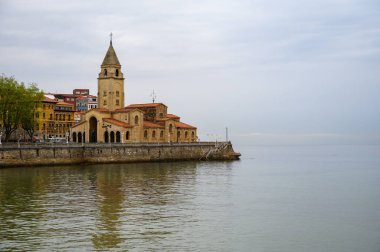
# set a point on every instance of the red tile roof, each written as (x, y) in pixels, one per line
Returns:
(117, 122)
(184, 125)
(123, 110)
(172, 116)
(47, 99)
(144, 105)
(152, 125)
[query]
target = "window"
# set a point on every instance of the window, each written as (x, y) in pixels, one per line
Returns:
(127, 135)
(104, 102)
(171, 128)
(117, 93)
(192, 134)
(43, 115)
(161, 115)
(104, 93)
(136, 120)
(178, 134)
(154, 134)
(105, 72)
(145, 134)
(37, 115)
(162, 134)
(186, 134)
(117, 72)
(117, 102)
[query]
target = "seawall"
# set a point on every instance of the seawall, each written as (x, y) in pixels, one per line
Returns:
(47, 155)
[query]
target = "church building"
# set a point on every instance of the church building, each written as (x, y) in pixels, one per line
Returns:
(113, 122)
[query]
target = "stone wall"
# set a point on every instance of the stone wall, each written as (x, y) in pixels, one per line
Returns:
(123, 153)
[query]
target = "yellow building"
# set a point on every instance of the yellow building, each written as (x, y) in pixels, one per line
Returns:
(54, 119)
(112, 122)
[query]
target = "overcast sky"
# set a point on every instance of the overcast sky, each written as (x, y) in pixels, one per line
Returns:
(273, 72)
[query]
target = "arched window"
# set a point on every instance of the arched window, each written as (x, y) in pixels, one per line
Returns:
(112, 137)
(79, 137)
(171, 128)
(136, 120)
(186, 134)
(192, 135)
(105, 72)
(84, 137)
(178, 134)
(127, 135)
(117, 72)
(162, 134)
(118, 137)
(154, 134)
(145, 134)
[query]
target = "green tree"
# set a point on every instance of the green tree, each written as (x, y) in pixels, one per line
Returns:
(17, 105)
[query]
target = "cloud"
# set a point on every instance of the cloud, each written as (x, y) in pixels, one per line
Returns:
(289, 67)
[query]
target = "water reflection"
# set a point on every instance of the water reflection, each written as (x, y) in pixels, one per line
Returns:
(111, 206)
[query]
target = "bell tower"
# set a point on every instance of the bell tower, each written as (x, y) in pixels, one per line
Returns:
(110, 82)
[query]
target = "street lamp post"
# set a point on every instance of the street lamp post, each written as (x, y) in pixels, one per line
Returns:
(106, 126)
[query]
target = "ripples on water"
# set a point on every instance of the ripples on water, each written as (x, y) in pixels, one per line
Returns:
(274, 199)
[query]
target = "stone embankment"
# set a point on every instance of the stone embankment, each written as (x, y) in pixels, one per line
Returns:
(67, 154)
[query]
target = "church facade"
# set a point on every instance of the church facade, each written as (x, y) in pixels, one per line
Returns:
(113, 122)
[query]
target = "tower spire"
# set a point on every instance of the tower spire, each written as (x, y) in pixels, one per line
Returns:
(111, 38)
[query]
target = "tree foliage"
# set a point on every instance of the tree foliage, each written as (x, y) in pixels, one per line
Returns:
(17, 105)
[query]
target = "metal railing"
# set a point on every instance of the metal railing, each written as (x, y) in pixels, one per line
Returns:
(23, 145)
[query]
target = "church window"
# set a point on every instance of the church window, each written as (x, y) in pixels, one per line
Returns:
(117, 102)
(105, 72)
(117, 72)
(136, 120)
(145, 134)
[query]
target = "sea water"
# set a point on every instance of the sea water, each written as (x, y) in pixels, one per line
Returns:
(276, 198)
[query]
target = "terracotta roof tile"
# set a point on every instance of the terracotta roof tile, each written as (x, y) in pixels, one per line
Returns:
(117, 122)
(172, 116)
(123, 110)
(152, 125)
(144, 105)
(47, 99)
(184, 125)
